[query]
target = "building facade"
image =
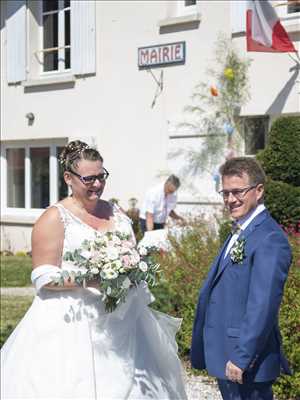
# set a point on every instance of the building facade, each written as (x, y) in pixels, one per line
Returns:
(76, 69)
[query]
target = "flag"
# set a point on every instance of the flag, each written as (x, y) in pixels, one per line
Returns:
(264, 31)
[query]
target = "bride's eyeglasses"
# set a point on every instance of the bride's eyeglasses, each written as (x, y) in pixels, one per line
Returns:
(91, 179)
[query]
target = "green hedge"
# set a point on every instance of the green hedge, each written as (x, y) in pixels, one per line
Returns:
(280, 159)
(288, 387)
(283, 202)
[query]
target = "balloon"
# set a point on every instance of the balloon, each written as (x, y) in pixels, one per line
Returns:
(214, 91)
(216, 178)
(228, 73)
(228, 128)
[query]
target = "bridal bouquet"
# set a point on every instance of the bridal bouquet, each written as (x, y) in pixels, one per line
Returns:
(114, 260)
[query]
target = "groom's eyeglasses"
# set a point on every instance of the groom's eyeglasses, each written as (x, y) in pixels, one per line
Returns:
(91, 179)
(237, 193)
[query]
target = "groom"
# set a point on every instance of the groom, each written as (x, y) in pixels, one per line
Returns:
(236, 336)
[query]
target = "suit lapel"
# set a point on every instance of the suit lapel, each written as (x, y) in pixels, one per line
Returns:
(244, 234)
(214, 268)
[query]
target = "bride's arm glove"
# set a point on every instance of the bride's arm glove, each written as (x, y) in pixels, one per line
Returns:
(47, 247)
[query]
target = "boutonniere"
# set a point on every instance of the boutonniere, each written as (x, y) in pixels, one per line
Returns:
(237, 252)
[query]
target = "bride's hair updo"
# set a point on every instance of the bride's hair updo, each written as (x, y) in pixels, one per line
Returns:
(75, 151)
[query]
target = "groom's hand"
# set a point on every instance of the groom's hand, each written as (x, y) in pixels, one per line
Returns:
(234, 373)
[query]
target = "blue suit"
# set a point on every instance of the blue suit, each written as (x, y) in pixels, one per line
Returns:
(237, 313)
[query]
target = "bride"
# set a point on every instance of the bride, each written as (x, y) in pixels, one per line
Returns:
(67, 346)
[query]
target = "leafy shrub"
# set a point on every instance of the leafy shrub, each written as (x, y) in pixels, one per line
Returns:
(280, 159)
(283, 202)
(21, 253)
(288, 387)
(185, 268)
(224, 230)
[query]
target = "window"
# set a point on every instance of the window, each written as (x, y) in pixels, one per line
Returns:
(49, 40)
(255, 133)
(33, 176)
(188, 3)
(56, 35)
(293, 6)
(39, 158)
(186, 7)
(15, 177)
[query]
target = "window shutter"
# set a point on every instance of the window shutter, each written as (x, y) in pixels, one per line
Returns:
(83, 37)
(16, 40)
(238, 10)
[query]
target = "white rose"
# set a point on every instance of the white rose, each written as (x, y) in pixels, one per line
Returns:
(109, 274)
(143, 266)
(143, 251)
(116, 240)
(94, 270)
(107, 266)
(117, 264)
(86, 254)
(112, 274)
(112, 253)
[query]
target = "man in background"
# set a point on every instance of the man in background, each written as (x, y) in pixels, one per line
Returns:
(160, 202)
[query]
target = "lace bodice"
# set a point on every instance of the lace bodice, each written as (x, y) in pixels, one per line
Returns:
(76, 231)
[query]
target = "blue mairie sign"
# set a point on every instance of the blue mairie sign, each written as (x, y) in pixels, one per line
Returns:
(161, 55)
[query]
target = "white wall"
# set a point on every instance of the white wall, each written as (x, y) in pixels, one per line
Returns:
(115, 105)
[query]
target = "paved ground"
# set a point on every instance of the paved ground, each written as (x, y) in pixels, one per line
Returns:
(197, 387)
(201, 388)
(17, 291)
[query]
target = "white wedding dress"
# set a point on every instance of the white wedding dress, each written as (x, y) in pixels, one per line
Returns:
(67, 347)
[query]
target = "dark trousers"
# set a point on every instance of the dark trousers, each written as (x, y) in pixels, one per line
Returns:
(247, 391)
(155, 225)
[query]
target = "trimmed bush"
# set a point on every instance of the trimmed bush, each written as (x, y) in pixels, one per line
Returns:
(283, 202)
(288, 387)
(280, 159)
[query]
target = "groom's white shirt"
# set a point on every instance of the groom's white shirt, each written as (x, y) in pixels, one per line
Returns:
(260, 208)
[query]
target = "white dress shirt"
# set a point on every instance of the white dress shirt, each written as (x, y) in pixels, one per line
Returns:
(244, 223)
(158, 204)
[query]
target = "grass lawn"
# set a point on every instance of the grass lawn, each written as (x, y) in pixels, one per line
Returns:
(12, 310)
(15, 271)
